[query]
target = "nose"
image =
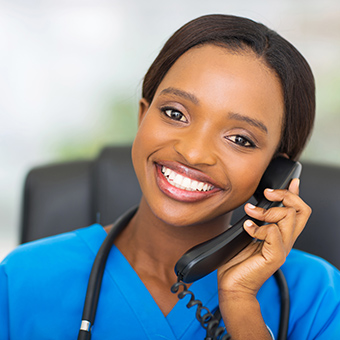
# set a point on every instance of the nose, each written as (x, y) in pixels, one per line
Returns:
(196, 146)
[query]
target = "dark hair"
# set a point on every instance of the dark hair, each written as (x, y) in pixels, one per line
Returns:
(237, 33)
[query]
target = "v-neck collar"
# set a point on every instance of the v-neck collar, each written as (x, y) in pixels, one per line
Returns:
(148, 313)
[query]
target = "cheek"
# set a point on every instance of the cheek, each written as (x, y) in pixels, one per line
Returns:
(245, 179)
(152, 133)
(249, 181)
(138, 145)
(148, 139)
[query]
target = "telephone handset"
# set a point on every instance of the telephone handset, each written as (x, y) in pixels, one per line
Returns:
(204, 258)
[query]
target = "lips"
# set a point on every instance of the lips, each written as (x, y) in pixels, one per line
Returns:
(175, 184)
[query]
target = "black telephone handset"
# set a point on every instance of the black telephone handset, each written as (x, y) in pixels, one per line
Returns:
(204, 258)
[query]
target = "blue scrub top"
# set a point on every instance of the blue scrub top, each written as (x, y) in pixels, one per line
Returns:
(43, 286)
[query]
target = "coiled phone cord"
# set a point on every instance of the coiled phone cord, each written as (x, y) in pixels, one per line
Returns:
(210, 321)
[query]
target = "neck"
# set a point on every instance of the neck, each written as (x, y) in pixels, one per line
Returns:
(148, 242)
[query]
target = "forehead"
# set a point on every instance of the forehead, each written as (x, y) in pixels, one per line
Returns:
(208, 58)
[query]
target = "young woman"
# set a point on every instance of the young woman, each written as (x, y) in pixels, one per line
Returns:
(223, 98)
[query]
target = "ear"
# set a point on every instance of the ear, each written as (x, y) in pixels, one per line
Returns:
(283, 154)
(142, 109)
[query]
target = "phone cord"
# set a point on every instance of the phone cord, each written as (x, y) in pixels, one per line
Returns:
(209, 321)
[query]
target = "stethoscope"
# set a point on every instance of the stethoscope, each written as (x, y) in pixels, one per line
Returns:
(97, 272)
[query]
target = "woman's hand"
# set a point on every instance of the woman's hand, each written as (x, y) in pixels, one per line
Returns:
(240, 279)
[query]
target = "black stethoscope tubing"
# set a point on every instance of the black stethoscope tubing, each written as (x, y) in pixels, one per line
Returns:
(97, 272)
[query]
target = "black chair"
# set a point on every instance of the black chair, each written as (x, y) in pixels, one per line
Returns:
(62, 197)
(65, 196)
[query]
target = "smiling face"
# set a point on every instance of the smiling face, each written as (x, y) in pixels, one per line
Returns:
(206, 139)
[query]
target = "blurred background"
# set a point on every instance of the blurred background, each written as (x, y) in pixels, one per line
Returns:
(71, 72)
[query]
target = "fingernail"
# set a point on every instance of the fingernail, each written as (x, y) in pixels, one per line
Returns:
(248, 223)
(251, 206)
(270, 190)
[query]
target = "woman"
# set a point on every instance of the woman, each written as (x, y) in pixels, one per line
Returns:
(222, 99)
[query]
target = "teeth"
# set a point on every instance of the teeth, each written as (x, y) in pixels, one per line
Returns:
(194, 185)
(184, 183)
(167, 172)
(171, 176)
(178, 179)
(200, 186)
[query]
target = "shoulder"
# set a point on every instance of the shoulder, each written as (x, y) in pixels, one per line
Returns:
(314, 286)
(303, 266)
(306, 274)
(51, 272)
(314, 294)
(54, 250)
(311, 277)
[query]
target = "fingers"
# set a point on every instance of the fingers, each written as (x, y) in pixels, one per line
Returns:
(290, 199)
(273, 249)
(284, 218)
(294, 186)
(291, 218)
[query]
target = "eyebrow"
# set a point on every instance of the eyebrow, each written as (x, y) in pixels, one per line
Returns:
(251, 121)
(181, 93)
(189, 96)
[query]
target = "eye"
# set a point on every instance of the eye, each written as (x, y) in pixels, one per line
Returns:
(174, 114)
(242, 141)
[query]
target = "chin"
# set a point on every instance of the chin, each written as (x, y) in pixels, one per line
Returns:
(185, 215)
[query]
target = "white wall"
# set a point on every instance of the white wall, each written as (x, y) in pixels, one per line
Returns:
(65, 63)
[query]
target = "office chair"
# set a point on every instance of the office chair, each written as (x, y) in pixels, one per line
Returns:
(62, 197)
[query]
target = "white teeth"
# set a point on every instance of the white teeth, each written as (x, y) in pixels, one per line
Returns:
(185, 183)
(194, 185)
(178, 179)
(171, 176)
(167, 172)
(200, 186)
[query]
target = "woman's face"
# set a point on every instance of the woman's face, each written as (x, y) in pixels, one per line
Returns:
(206, 139)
